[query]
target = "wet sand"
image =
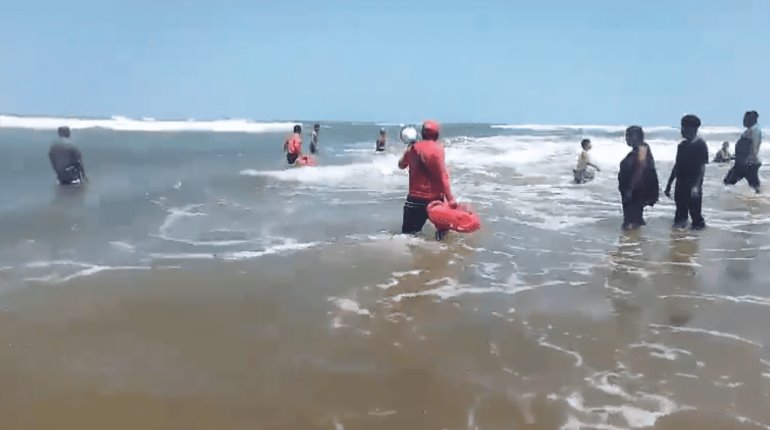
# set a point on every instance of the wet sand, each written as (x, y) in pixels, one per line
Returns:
(279, 344)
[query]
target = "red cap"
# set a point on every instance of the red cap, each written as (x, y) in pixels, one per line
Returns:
(431, 127)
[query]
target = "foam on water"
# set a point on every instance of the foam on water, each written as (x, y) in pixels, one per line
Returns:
(62, 271)
(713, 333)
(120, 123)
(349, 305)
(662, 351)
(753, 300)
(614, 129)
(288, 246)
(638, 410)
(578, 358)
(450, 287)
(367, 175)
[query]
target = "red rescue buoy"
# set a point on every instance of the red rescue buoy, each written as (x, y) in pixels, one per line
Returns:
(461, 219)
(306, 160)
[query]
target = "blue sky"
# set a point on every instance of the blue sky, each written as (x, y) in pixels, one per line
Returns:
(547, 61)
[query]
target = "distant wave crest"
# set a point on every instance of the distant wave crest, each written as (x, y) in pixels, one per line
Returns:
(120, 123)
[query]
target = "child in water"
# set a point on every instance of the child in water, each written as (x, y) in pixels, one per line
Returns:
(692, 155)
(582, 172)
(723, 156)
(637, 179)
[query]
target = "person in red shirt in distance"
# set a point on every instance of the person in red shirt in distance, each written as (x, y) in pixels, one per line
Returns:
(293, 145)
(428, 178)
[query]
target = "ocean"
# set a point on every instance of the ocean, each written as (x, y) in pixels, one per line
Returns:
(198, 283)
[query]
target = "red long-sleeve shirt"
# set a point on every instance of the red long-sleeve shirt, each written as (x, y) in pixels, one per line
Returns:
(428, 177)
(293, 144)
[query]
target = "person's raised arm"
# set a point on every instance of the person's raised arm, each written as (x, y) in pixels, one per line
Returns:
(403, 163)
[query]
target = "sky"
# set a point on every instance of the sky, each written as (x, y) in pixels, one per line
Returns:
(507, 61)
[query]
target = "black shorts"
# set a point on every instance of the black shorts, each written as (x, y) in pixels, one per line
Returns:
(750, 172)
(415, 215)
(291, 158)
(313, 148)
(70, 175)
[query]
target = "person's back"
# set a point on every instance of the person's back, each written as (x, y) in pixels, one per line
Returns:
(66, 159)
(428, 178)
(583, 159)
(293, 145)
(754, 133)
(425, 170)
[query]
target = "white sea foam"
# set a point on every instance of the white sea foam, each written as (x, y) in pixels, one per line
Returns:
(123, 246)
(578, 358)
(349, 305)
(705, 130)
(367, 175)
(287, 247)
(449, 287)
(66, 270)
(639, 409)
(556, 128)
(714, 333)
(120, 123)
(753, 300)
(662, 351)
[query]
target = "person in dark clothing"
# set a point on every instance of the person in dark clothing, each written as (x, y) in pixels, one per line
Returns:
(692, 155)
(66, 160)
(637, 179)
(747, 162)
(314, 138)
(743, 168)
(379, 145)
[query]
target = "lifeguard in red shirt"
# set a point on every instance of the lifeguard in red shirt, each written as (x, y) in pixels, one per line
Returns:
(293, 145)
(428, 178)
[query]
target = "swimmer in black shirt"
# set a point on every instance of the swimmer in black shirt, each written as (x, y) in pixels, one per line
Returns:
(689, 168)
(66, 160)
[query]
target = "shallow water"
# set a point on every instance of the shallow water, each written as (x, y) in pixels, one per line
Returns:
(196, 283)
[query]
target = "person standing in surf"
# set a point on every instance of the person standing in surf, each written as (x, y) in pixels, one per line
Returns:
(66, 159)
(379, 145)
(428, 178)
(692, 156)
(582, 172)
(293, 145)
(637, 179)
(314, 138)
(747, 162)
